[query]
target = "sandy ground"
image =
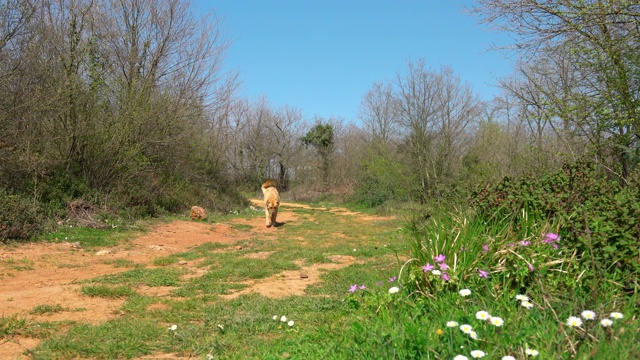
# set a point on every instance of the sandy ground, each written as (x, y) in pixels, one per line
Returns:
(48, 274)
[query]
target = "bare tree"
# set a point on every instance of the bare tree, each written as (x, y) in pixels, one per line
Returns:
(379, 113)
(600, 38)
(436, 109)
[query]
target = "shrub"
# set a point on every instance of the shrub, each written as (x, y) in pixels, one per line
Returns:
(20, 218)
(597, 216)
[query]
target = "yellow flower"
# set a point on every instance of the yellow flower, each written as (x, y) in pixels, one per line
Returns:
(439, 332)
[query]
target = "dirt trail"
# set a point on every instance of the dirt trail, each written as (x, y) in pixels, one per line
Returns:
(48, 274)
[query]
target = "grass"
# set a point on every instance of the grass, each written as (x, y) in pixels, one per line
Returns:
(329, 322)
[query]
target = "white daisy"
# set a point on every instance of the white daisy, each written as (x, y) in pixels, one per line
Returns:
(465, 292)
(483, 315)
(496, 321)
(606, 322)
(466, 328)
(588, 315)
(574, 321)
(532, 352)
(478, 353)
(616, 315)
(452, 324)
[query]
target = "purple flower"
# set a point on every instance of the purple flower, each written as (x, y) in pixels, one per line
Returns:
(443, 266)
(362, 287)
(485, 248)
(439, 258)
(445, 276)
(551, 237)
(483, 274)
(392, 279)
(555, 246)
(353, 288)
(427, 267)
(531, 268)
(525, 242)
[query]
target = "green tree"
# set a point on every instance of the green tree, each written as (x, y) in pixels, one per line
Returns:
(321, 138)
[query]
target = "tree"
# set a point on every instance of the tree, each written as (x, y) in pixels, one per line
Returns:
(320, 137)
(601, 41)
(435, 112)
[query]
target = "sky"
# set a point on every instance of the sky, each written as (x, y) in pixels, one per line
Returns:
(322, 56)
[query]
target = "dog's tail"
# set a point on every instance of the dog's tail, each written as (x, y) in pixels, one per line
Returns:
(269, 183)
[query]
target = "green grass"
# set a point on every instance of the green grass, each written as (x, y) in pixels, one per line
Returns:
(45, 309)
(329, 322)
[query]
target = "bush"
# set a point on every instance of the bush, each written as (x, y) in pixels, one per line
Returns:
(598, 217)
(20, 218)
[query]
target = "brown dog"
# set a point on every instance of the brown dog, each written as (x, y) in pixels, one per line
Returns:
(271, 201)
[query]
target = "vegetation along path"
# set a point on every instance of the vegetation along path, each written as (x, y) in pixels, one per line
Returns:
(194, 289)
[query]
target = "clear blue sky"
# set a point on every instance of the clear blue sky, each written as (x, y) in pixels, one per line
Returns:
(322, 56)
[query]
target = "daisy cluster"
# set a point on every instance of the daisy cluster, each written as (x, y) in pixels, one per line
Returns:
(588, 315)
(468, 329)
(283, 318)
(524, 301)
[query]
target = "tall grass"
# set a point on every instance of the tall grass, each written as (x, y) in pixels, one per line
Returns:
(478, 287)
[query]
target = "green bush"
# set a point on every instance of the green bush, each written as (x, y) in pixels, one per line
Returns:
(598, 217)
(20, 218)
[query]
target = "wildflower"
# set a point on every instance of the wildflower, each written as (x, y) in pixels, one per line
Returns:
(465, 292)
(362, 287)
(283, 318)
(466, 328)
(478, 353)
(275, 317)
(445, 277)
(173, 327)
(452, 324)
(392, 279)
(436, 272)
(616, 315)
(532, 352)
(551, 238)
(531, 268)
(394, 290)
(428, 267)
(526, 304)
(221, 327)
(473, 335)
(508, 357)
(460, 357)
(588, 315)
(439, 332)
(290, 323)
(574, 321)
(443, 266)
(440, 258)
(606, 322)
(496, 321)
(485, 248)
(522, 297)
(483, 274)
(353, 288)
(482, 315)
(525, 242)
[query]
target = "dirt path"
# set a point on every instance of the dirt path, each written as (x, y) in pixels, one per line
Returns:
(48, 274)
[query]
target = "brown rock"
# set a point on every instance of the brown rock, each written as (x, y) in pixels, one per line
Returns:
(198, 213)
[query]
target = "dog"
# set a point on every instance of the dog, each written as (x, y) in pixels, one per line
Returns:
(271, 201)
